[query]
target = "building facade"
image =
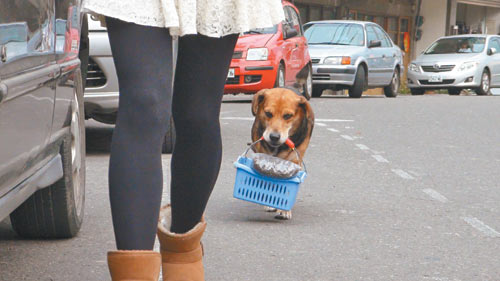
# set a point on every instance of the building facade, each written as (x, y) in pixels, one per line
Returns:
(412, 24)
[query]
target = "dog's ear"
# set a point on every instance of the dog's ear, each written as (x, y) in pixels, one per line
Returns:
(308, 112)
(258, 98)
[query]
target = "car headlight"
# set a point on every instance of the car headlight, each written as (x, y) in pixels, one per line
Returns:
(413, 67)
(468, 65)
(257, 54)
(337, 60)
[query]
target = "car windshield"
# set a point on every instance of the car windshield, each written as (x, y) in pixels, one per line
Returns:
(267, 30)
(457, 45)
(335, 34)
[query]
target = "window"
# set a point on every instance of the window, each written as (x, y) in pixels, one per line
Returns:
(458, 45)
(293, 19)
(494, 43)
(335, 34)
(385, 42)
(370, 34)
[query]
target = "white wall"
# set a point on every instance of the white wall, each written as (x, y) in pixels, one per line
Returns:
(493, 16)
(434, 13)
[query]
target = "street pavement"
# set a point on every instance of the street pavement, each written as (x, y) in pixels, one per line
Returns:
(397, 189)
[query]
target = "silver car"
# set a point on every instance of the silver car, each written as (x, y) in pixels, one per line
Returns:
(353, 55)
(456, 63)
(101, 89)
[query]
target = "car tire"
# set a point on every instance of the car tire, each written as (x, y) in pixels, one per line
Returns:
(317, 91)
(484, 88)
(391, 91)
(417, 91)
(169, 139)
(356, 90)
(57, 210)
(280, 77)
(308, 86)
(454, 91)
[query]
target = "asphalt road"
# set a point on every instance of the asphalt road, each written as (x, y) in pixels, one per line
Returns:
(398, 189)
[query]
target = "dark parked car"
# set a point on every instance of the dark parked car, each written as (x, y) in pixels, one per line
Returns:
(42, 133)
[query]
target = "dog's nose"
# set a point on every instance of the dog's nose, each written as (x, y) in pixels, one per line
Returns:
(274, 137)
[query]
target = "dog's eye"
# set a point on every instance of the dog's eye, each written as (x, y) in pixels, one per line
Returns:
(269, 114)
(287, 116)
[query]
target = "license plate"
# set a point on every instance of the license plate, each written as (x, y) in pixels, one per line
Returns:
(230, 74)
(435, 79)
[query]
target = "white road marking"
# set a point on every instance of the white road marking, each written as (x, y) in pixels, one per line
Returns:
(334, 120)
(238, 118)
(362, 146)
(479, 225)
(380, 159)
(435, 195)
(347, 137)
(252, 118)
(333, 130)
(402, 174)
(320, 124)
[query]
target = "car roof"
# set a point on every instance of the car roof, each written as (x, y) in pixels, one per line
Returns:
(342, 21)
(469, 35)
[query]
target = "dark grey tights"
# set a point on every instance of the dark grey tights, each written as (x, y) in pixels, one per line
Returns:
(143, 59)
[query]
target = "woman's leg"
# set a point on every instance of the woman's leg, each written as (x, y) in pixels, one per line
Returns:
(143, 60)
(201, 73)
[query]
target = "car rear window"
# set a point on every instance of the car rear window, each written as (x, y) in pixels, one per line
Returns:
(335, 34)
(457, 45)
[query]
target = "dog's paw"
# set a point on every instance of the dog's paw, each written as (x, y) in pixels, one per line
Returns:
(270, 209)
(283, 215)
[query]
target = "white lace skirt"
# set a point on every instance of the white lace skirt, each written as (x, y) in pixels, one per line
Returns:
(214, 18)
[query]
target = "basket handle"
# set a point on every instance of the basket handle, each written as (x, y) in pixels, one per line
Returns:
(288, 142)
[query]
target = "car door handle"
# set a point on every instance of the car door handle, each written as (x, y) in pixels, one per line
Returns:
(383, 56)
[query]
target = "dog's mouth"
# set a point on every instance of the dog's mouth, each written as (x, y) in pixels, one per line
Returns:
(274, 144)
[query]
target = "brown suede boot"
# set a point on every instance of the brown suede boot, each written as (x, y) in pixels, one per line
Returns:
(181, 254)
(134, 265)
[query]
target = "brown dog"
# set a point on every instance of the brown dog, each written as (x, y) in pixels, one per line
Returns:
(281, 114)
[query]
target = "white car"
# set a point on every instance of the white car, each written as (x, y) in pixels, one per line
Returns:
(456, 63)
(101, 89)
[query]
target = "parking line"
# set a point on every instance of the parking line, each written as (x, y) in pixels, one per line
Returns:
(320, 124)
(380, 159)
(435, 195)
(334, 120)
(347, 137)
(402, 174)
(479, 225)
(333, 130)
(238, 118)
(362, 146)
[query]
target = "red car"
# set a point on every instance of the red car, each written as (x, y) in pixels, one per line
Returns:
(271, 57)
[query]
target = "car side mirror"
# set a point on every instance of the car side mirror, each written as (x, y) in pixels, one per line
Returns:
(491, 51)
(374, 44)
(290, 32)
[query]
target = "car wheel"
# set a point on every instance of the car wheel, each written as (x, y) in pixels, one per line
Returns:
(308, 86)
(317, 91)
(454, 91)
(169, 139)
(392, 90)
(484, 88)
(57, 210)
(417, 91)
(280, 77)
(359, 84)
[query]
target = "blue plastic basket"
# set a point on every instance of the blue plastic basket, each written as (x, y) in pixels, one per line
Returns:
(256, 188)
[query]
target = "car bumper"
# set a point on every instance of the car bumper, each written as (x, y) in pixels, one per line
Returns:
(334, 74)
(449, 79)
(101, 91)
(260, 75)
